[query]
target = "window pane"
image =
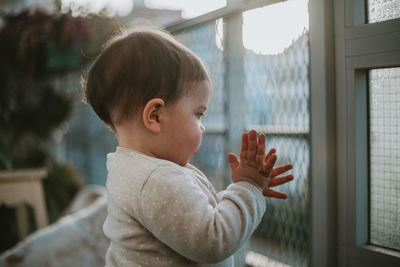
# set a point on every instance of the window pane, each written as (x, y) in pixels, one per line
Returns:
(381, 10)
(276, 85)
(385, 157)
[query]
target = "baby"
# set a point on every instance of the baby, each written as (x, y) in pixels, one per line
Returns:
(152, 92)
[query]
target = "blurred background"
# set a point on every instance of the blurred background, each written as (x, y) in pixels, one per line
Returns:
(258, 56)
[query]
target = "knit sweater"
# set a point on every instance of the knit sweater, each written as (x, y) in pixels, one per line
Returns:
(163, 214)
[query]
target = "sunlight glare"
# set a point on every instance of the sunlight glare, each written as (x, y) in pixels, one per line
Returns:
(219, 34)
(270, 30)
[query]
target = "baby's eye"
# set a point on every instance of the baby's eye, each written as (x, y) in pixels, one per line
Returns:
(200, 114)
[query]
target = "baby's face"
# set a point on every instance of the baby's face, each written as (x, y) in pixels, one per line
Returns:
(183, 129)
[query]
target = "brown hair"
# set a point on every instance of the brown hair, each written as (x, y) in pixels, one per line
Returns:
(137, 66)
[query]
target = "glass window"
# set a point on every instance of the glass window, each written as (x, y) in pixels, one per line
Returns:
(385, 157)
(381, 10)
(276, 84)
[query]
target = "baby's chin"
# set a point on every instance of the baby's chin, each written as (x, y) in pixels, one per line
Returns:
(181, 162)
(184, 162)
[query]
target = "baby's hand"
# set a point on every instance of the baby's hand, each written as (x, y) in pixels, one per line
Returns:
(256, 168)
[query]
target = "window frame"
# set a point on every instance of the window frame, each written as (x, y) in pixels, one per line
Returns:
(360, 46)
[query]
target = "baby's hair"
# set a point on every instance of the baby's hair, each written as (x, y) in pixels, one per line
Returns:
(136, 66)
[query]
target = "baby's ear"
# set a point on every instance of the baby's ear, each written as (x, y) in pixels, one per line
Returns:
(151, 114)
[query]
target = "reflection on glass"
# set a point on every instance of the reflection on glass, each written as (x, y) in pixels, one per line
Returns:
(381, 10)
(385, 157)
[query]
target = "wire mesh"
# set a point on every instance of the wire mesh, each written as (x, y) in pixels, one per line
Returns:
(381, 10)
(384, 157)
(276, 89)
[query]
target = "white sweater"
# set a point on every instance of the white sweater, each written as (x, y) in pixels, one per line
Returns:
(163, 214)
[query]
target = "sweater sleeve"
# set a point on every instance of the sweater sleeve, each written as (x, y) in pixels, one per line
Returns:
(179, 214)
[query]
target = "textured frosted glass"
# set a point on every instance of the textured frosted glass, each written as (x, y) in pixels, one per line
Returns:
(381, 10)
(385, 157)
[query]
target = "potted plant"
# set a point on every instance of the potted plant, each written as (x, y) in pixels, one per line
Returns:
(35, 45)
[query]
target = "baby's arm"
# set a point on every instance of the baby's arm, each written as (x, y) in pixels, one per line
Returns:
(179, 214)
(257, 168)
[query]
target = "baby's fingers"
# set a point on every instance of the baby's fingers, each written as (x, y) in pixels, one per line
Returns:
(270, 152)
(280, 180)
(245, 144)
(269, 164)
(252, 150)
(260, 150)
(268, 192)
(281, 169)
(233, 161)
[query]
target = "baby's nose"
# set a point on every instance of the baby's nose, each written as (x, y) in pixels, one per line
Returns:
(203, 129)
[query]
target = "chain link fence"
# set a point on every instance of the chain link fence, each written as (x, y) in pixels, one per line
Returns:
(276, 102)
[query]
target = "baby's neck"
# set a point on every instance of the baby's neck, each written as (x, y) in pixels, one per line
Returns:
(135, 139)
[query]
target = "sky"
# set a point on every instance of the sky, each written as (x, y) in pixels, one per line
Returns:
(271, 29)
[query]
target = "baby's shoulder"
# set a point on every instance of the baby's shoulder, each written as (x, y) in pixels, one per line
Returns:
(195, 170)
(125, 160)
